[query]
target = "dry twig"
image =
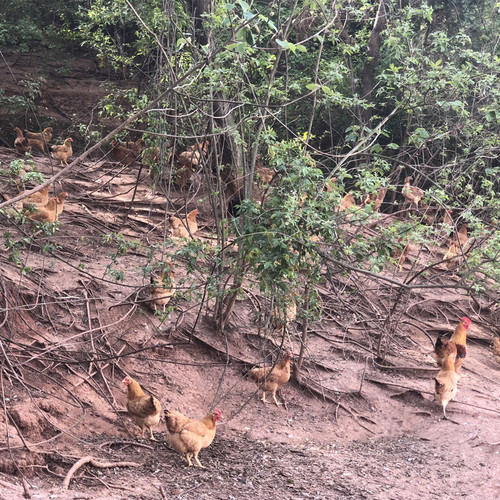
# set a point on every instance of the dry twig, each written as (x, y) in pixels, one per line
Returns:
(92, 461)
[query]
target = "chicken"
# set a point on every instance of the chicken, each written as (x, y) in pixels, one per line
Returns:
(144, 410)
(60, 204)
(451, 259)
(447, 223)
(138, 145)
(21, 143)
(455, 255)
(461, 237)
(180, 227)
(370, 198)
(190, 436)
(63, 152)
(401, 253)
(126, 154)
(188, 159)
(152, 158)
(379, 199)
(175, 421)
(151, 155)
(443, 349)
(39, 140)
(456, 344)
(193, 155)
(51, 211)
(39, 199)
(285, 313)
(429, 215)
(162, 288)
(496, 348)
(264, 175)
(446, 382)
(272, 378)
(375, 198)
(48, 213)
(347, 202)
(412, 193)
(330, 184)
(447, 219)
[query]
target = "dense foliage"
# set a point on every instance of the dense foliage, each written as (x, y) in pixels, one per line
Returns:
(367, 92)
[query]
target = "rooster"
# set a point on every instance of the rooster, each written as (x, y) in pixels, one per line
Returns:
(272, 378)
(456, 344)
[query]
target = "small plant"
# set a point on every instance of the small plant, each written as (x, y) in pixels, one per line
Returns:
(123, 245)
(23, 170)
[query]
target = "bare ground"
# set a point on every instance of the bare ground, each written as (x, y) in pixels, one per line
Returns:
(376, 432)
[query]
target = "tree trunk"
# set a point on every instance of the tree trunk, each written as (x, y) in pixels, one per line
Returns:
(372, 56)
(198, 8)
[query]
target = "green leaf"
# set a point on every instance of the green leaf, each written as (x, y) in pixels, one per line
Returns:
(283, 44)
(313, 86)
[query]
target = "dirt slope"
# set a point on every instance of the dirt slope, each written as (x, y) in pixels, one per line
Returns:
(72, 333)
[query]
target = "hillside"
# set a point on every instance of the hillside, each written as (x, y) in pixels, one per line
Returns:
(349, 428)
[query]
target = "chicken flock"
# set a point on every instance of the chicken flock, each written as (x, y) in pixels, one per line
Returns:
(186, 435)
(186, 162)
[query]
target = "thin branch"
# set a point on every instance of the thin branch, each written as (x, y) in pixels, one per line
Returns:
(92, 461)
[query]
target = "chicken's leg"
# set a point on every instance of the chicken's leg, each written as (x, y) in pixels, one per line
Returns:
(444, 412)
(195, 455)
(275, 400)
(264, 397)
(151, 432)
(190, 464)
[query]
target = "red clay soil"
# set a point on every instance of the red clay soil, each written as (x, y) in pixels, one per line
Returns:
(349, 429)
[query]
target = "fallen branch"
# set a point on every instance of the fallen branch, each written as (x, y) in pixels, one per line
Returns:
(311, 386)
(26, 488)
(412, 368)
(95, 463)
